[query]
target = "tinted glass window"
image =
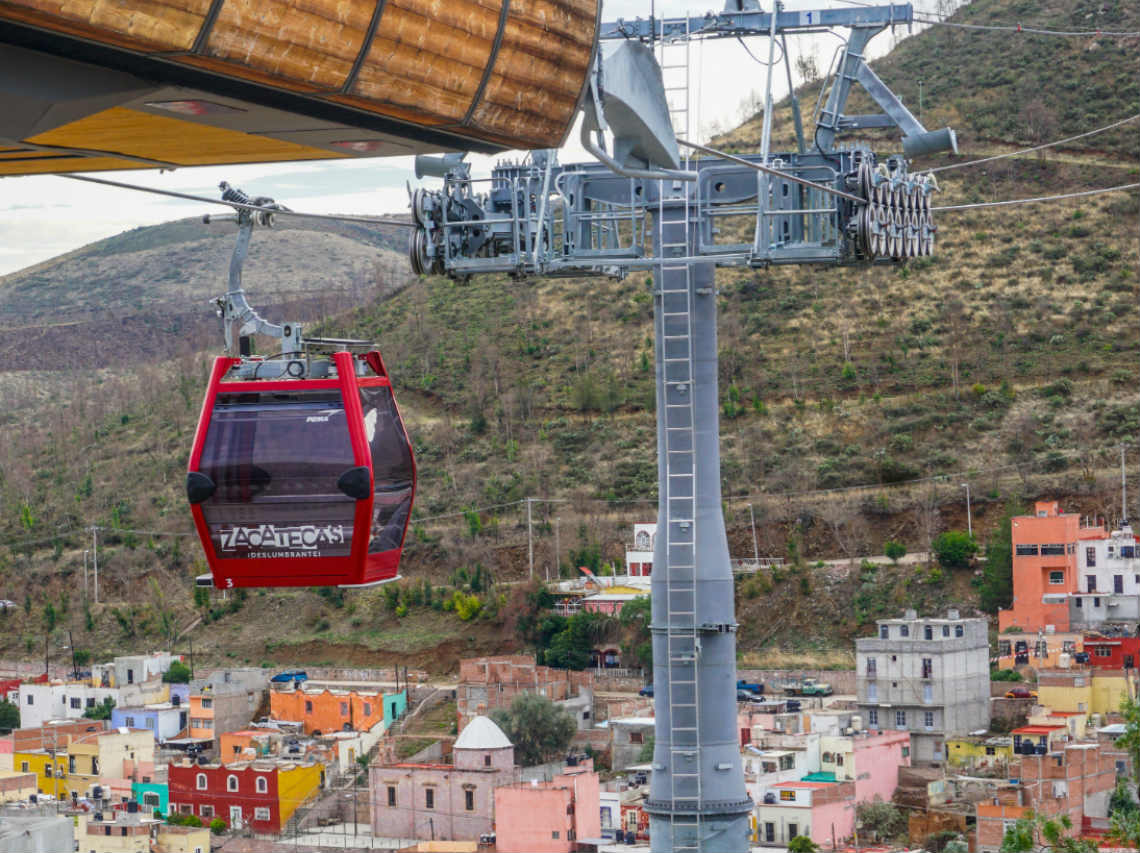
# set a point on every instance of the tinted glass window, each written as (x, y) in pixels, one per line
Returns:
(275, 459)
(391, 468)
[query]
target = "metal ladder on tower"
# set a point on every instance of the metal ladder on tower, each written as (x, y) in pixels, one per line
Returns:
(673, 56)
(673, 221)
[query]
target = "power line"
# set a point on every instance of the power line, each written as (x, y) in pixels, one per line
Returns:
(1037, 147)
(236, 205)
(1102, 190)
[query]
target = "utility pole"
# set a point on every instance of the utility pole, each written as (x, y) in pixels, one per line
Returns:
(557, 551)
(74, 665)
(529, 539)
(95, 558)
(85, 591)
(755, 544)
(969, 519)
(1123, 490)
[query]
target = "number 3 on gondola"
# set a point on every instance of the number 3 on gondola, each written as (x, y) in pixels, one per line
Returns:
(302, 482)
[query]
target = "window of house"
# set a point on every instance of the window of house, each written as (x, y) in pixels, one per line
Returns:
(554, 834)
(207, 703)
(90, 701)
(262, 785)
(231, 783)
(150, 722)
(872, 691)
(1102, 651)
(873, 717)
(635, 737)
(904, 630)
(928, 632)
(23, 767)
(201, 782)
(150, 800)
(1118, 584)
(928, 693)
(1078, 601)
(1052, 549)
(47, 770)
(392, 795)
(872, 665)
(368, 709)
(344, 709)
(308, 706)
(793, 830)
(1025, 550)
(261, 814)
(884, 632)
(1004, 648)
(1110, 550)
(31, 700)
(429, 798)
(769, 832)
(788, 796)
(900, 719)
(469, 800)
(959, 631)
(1056, 578)
(786, 762)
(928, 719)
(839, 759)
(206, 811)
(1090, 557)
(186, 808)
(76, 702)
(1128, 551)
(906, 752)
(487, 760)
(1096, 602)
(945, 630)
(129, 722)
(927, 667)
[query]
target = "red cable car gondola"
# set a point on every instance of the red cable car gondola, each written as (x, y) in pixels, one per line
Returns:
(301, 481)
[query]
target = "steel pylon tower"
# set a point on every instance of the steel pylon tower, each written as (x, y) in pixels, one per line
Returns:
(697, 799)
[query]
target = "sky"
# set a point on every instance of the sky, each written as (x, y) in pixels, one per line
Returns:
(44, 216)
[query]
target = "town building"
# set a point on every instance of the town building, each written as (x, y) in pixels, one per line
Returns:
(42, 703)
(1073, 780)
(821, 811)
(15, 785)
(117, 831)
(1048, 548)
(493, 682)
(628, 737)
(1107, 587)
(260, 795)
(1112, 652)
(926, 676)
(1083, 689)
(224, 702)
(248, 745)
(322, 710)
(163, 720)
(181, 839)
(446, 802)
(132, 669)
(639, 559)
(979, 752)
(549, 816)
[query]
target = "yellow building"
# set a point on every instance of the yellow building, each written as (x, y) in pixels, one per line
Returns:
(1075, 722)
(295, 785)
(1089, 691)
(182, 839)
(975, 753)
(50, 771)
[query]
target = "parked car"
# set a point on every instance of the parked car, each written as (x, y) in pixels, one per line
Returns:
(647, 690)
(1020, 693)
(746, 696)
(291, 675)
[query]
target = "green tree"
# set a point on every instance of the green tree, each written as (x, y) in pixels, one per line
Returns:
(996, 590)
(179, 673)
(954, 548)
(1122, 802)
(51, 617)
(1038, 833)
(217, 826)
(646, 753)
(101, 711)
(1130, 740)
(9, 716)
(539, 729)
(895, 551)
(637, 642)
(802, 844)
(82, 657)
(882, 820)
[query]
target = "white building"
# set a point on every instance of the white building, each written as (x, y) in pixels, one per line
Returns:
(132, 669)
(929, 677)
(40, 703)
(1109, 582)
(639, 559)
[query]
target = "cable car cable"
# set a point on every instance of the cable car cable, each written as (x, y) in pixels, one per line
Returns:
(1101, 191)
(238, 205)
(1015, 28)
(1036, 147)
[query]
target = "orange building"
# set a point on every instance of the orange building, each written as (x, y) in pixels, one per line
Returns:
(1045, 574)
(324, 711)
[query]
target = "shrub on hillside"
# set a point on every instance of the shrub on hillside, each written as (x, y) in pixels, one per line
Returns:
(954, 549)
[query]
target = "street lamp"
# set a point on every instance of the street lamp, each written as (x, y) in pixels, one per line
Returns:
(969, 521)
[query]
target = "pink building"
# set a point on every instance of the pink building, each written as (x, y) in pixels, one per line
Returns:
(549, 817)
(878, 757)
(445, 802)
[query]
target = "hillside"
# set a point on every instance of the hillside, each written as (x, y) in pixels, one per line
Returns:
(1008, 360)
